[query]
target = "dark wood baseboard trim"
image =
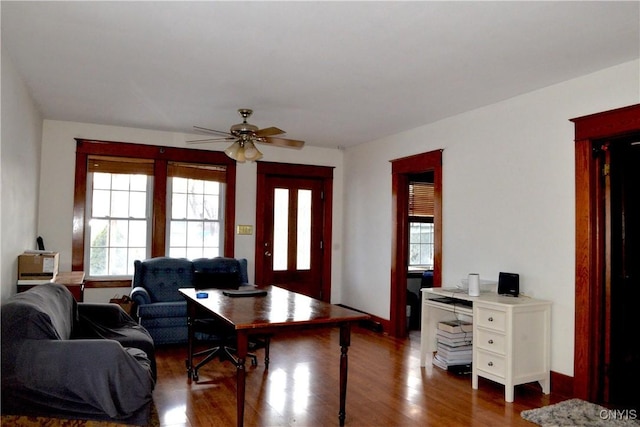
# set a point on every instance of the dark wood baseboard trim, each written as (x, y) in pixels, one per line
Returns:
(376, 324)
(561, 384)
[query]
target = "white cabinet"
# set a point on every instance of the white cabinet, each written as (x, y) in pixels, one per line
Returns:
(511, 336)
(511, 343)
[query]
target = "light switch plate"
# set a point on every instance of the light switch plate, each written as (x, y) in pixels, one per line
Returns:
(244, 229)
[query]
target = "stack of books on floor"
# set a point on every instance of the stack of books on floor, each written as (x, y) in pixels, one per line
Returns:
(454, 348)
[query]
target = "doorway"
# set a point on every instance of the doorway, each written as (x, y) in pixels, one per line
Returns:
(293, 228)
(620, 368)
(401, 172)
(597, 251)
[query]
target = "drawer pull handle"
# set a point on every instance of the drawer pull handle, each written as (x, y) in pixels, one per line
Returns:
(490, 341)
(490, 319)
(490, 363)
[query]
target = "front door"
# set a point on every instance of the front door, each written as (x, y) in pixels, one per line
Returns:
(291, 232)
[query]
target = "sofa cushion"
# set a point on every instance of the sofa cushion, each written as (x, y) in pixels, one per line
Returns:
(110, 321)
(163, 309)
(154, 323)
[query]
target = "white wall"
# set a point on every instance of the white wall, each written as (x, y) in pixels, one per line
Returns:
(21, 138)
(508, 196)
(57, 184)
(508, 178)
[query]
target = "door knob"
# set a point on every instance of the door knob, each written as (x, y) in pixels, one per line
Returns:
(267, 253)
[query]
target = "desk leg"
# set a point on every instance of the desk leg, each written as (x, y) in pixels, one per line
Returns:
(345, 342)
(191, 314)
(430, 318)
(241, 355)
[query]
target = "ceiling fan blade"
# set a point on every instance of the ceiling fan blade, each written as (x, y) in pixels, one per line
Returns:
(269, 131)
(281, 142)
(202, 141)
(206, 130)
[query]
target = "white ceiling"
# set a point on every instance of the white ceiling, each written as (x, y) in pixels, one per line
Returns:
(331, 73)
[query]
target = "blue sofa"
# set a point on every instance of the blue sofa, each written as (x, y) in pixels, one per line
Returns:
(161, 309)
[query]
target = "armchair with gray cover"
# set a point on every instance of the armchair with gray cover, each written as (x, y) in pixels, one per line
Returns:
(62, 359)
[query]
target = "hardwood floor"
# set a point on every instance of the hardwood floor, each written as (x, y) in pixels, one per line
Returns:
(386, 387)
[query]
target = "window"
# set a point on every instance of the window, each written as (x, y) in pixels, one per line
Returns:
(421, 245)
(299, 200)
(421, 229)
(140, 201)
(197, 214)
(118, 225)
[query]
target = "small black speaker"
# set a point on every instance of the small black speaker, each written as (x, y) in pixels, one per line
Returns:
(509, 284)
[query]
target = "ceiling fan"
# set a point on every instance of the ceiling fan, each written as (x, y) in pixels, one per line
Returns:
(245, 135)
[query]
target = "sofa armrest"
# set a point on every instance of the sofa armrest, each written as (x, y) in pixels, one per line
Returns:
(105, 314)
(76, 374)
(140, 296)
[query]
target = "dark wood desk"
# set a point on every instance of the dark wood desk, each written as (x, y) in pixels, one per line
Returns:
(279, 310)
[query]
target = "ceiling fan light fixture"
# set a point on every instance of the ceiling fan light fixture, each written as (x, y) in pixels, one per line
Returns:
(245, 135)
(240, 158)
(236, 152)
(251, 152)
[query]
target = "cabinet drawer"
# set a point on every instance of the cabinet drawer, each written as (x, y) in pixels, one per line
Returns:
(492, 363)
(492, 319)
(490, 340)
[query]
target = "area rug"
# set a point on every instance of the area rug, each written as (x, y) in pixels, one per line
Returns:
(577, 412)
(33, 421)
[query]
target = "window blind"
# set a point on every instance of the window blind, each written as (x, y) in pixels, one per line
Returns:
(122, 165)
(421, 199)
(196, 171)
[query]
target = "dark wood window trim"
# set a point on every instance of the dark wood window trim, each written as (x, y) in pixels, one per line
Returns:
(589, 262)
(401, 171)
(161, 156)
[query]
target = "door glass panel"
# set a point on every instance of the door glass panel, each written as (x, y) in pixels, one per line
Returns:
(280, 228)
(304, 230)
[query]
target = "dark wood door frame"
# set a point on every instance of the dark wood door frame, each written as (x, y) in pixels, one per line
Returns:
(400, 171)
(325, 173)
(590, 259)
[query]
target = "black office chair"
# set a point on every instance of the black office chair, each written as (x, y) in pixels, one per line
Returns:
(221, 273)
(212, 331)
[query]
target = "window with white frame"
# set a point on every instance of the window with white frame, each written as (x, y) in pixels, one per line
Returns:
(119, 206)
(421, 245)
(197, 206)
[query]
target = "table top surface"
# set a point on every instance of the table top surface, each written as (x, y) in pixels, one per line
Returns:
(69, 278)
(279, 307)
(485, 296)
